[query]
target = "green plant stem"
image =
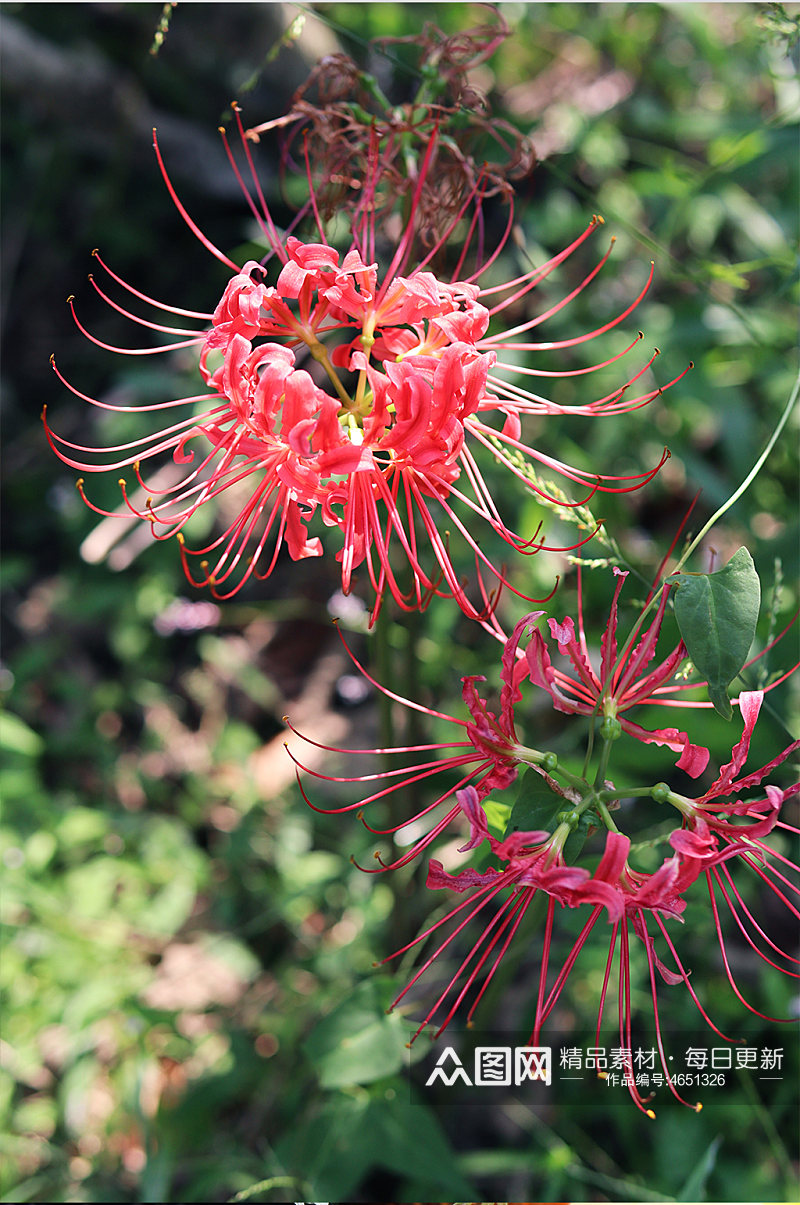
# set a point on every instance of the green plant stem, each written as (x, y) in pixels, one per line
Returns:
(735, 496)
(770, 1129)
(748, 481)
(267, 1185)
(602, 765)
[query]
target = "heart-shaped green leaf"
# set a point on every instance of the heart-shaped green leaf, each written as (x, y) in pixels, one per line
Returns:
(537, 808)
(717, 615)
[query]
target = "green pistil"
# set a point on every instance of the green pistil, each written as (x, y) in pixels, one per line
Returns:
(354, 431)
(320, 353)
(557, 841)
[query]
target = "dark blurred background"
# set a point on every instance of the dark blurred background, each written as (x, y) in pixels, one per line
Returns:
(186, 942)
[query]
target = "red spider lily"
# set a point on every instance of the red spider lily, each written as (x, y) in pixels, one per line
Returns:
(487, 761)
(712, 838)
(355, 394)
(621, 682)
(534, 865)
(490, 757)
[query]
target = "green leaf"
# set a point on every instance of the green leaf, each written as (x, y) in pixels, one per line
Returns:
(337, 1145)
(17, 737)
(411, 1142)
(695, 1187)
(497, 815)
(359, 1042)
(537, 808)
(717, 615)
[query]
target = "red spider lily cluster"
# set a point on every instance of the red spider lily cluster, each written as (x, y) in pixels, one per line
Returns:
(359, 395)
(718, 828)
(359, 385)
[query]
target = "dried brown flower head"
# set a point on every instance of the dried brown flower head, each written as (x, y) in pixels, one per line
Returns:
(361, 151)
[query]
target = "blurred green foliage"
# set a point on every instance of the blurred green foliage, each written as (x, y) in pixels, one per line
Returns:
(190, 1005)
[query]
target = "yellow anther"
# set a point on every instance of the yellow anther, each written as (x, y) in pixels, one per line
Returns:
(651, 1114)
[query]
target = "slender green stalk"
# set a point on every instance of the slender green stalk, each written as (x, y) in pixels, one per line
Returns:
(735, 496)
(748, 481)
(266, 1185)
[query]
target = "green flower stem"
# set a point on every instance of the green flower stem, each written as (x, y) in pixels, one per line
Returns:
(602, 765)
(748, 481)
(572, 780)
(320, 353)
(549, 763)
(606, 815)
(628, 793)
(735, 496)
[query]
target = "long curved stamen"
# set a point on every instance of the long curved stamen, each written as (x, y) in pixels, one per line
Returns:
(131, 351)
(686, 981)
(510, 916)
(724, 870)
(530, 279)
(409, 777)
(195, 229)
(528, 371)
(726, 963)
(659, 1042)
(625, 1014)
(159, 305)
(390, 694)
(153, 326)
(563, 974)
